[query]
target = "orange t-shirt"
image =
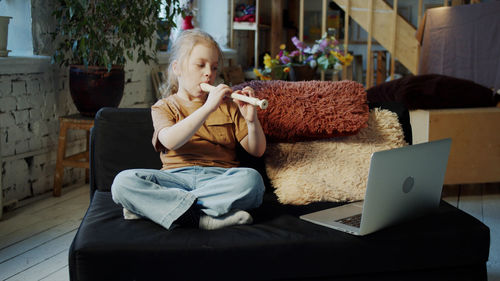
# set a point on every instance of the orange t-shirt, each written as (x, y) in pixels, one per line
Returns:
(214, 144)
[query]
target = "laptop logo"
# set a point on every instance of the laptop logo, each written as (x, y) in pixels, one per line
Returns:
(408, 184)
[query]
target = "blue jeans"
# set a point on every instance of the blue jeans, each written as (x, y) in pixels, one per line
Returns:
(164, 195)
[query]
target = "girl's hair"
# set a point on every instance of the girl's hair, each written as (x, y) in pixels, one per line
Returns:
(181, 50)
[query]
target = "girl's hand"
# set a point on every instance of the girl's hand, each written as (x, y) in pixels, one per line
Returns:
(255, 142)
(248, 111)
(216, 96)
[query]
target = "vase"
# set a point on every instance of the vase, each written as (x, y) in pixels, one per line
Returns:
(4, 35)
(94, 87)
(187, 23)
(302, 73)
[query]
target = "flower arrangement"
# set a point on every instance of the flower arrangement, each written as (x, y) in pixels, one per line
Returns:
(326, 53)
(187, 14)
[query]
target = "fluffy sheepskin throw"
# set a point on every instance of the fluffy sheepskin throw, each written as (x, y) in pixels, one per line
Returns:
(310, 110)
(331, 170)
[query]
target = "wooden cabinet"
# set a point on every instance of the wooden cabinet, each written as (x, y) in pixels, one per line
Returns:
(475, 134)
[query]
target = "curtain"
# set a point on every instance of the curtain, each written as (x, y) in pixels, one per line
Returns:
(463, 42)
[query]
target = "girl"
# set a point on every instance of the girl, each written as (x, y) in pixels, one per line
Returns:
(196, 134)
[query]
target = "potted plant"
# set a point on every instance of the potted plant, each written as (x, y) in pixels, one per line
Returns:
(95, 38)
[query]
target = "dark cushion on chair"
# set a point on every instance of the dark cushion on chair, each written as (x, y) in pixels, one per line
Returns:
(277, 246)
(432, 91)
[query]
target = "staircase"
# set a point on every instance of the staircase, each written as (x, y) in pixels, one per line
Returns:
(378, 17)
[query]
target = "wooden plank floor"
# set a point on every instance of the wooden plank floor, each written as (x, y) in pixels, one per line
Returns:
(34, 239)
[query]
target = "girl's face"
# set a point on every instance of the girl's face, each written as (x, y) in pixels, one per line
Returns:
(199, 67)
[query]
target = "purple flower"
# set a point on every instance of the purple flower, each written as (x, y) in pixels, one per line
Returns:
(300, 45)
(285, 60)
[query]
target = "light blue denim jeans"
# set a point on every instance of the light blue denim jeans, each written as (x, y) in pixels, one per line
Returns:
(164, 195)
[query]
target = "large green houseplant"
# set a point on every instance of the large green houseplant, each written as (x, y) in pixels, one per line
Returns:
(96, 38)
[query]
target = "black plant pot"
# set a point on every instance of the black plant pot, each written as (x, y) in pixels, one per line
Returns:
(95, 87)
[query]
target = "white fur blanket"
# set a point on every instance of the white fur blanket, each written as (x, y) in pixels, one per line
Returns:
(334, 169)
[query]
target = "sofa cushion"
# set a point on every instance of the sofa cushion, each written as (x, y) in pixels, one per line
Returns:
(310, 110)
(432, 91)
(333, 169)
(278, 246)
(108, 156)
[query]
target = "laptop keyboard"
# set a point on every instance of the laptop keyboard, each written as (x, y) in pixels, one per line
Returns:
(352, 220)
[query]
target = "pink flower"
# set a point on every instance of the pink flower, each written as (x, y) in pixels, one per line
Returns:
(294, 53)
(323, 45)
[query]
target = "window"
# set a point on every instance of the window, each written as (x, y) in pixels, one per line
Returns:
(20, 40)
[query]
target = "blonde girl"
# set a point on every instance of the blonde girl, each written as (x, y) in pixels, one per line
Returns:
(196, 133)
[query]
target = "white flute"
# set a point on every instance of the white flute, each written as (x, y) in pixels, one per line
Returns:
(251, 100)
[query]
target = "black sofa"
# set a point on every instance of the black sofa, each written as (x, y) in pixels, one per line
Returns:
(447, 245)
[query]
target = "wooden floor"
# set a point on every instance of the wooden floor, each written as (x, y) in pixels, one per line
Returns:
(34, 239)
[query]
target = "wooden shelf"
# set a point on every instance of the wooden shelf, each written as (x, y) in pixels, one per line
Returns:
(248, 26)
(254, 27)
(244, 25)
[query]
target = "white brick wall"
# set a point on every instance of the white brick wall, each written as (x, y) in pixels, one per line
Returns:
(30, 105)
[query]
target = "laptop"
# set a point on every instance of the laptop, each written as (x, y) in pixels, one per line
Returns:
(403, 183)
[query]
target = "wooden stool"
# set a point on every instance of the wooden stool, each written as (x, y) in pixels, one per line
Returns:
(79, 160)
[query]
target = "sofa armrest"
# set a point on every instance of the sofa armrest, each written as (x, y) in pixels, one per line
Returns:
(120, 140)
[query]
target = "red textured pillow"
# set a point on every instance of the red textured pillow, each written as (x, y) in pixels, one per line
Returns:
(310, 110)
